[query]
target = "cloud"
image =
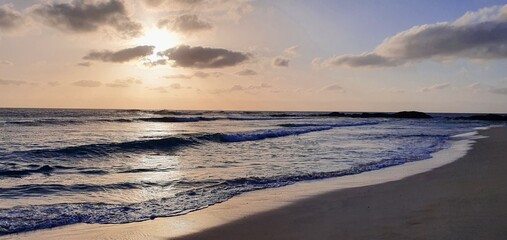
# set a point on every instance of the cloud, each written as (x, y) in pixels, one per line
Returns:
(197, 74)
(150, 63)
(12, 82)
(293, 50)
(178, 76)
(177, 4)
(175, 86)
(189, 23)
(333, 88)
(200, 74)
(203, 57)
(362, 60)
(247, 72)
(240, 88)
(53, 84)
(435, 87)
(480, 35)
(87, 83)
(159, 89)
(6, 63)
(502, 91)
(9, 19)
(478, 87)
(123, 83)
(281, 62)
(120, 56)
(395, 90)
(82, 16)
(234, 9)
(261, 86)
(84, 64)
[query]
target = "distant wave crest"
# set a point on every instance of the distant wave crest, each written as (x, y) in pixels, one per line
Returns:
(174, 142)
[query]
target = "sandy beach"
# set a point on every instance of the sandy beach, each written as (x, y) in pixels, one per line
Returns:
(464, 199)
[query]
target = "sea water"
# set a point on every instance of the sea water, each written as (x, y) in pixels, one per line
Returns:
(60, 167)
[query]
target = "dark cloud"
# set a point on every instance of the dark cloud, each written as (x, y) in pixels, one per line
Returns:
(480, 35)
(11, 82)
(247, 72)
(436, 87)
(120, 56)
(87, 83)
(150, 63)
(88, 16)
(123, 83)
(333, 88)
(363, 60)
(281, 62)
(189, 23)
(203, 57)
(84, 64)
(9, 19)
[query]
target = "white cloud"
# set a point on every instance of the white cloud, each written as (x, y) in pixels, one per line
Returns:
(480, 35)
(435, 87)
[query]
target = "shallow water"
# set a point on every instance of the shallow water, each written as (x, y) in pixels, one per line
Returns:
(59, 167)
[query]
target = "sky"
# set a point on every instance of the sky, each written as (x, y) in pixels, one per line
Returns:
(293, 55)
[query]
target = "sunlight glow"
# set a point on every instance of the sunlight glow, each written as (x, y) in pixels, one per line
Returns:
(161, 39)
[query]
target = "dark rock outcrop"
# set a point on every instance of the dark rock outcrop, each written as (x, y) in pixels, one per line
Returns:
(411, 114)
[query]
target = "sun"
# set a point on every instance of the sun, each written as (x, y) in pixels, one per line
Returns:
(161, 39)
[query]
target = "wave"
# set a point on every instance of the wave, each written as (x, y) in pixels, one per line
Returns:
(298, 125)
(35, 190)
(174, 117)
(269, 133)
(168, 112)
(177, 119)
(104, 149)
(46, 169)
(41, 122)
(174, 142)
(27, 218)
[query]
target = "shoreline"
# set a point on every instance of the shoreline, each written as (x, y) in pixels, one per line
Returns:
(251, 205)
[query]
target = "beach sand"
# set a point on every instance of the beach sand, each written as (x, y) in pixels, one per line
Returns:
(464, 199)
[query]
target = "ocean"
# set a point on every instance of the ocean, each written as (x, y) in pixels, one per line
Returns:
(59, 167)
